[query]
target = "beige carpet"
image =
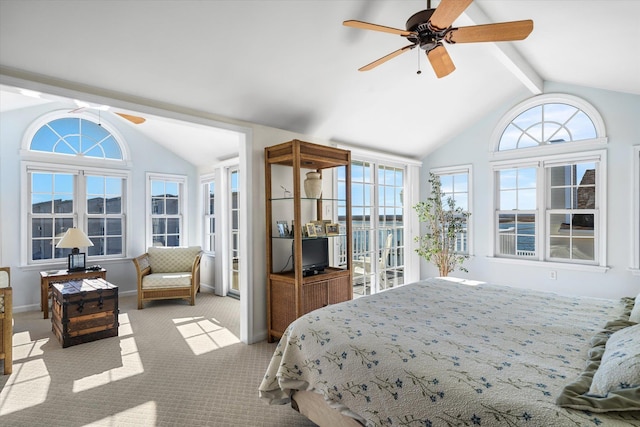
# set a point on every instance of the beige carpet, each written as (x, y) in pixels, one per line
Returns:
(171, 365)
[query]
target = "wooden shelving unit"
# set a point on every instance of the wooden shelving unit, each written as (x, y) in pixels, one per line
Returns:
(289, 293)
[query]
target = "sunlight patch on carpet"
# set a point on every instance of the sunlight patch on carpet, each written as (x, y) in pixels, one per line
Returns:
(131, 365)
(124, 325)
(24, 347)
(27, 386)
(205, 335)
(144, 414)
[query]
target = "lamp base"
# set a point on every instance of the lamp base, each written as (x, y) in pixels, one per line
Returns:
(77, 262)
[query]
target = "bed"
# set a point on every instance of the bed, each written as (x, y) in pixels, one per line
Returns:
(447, 352)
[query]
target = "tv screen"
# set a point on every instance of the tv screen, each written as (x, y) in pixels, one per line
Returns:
(315, 255)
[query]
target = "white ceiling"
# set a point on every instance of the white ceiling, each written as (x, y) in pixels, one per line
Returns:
(293, 65)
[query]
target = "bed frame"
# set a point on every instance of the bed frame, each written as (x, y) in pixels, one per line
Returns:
(313, 406)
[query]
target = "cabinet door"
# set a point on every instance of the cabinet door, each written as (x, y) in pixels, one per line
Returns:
(283, 305)
(338, 290)
(314, 295)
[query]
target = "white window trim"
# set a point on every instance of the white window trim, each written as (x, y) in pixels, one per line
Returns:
(180, 179)
(205, 180)
(25, 151)
(468, 169)
(635, 208)
(541, 162)
(80, 219)
(575, 146)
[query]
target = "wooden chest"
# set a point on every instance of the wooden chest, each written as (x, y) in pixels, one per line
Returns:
(84, 310)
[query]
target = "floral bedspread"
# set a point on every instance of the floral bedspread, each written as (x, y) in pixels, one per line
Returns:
(441, 353)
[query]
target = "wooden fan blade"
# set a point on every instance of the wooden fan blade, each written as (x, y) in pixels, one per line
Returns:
(500, 32)
(447, 12)
(375, 27)
(386, 58)
(440, 61)
(133, 119)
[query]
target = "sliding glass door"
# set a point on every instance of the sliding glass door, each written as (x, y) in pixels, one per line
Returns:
(377, 224)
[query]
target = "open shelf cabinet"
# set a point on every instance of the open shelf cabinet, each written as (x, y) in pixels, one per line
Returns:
(290, 294)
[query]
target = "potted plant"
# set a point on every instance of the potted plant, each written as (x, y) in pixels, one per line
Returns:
(445, 223)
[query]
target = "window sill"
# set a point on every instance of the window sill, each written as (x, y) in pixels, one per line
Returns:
(549, 264)
(104, 262)
(635, 271)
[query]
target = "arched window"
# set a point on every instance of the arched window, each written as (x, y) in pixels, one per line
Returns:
(76, 136)
(73, 188)
(549, 119)
(550, 190)
(551, 123)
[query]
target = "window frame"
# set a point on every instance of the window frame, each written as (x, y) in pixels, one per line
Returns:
(182, 214)
(410, 194)
(498, 211)
(77, 165)
(459, 170)
(208, 235)
(542, 211)
(79, 214)
(530, 152)
(546, 156)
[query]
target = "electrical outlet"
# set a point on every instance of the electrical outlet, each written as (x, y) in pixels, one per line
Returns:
(552, 275)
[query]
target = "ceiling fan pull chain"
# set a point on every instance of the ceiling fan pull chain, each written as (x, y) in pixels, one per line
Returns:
(419, 71)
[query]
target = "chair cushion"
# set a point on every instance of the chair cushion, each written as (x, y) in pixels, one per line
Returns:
(166, 280)
(172, 259)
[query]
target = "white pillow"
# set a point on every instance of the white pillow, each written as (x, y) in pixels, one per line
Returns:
(635, 313)
(620, 365)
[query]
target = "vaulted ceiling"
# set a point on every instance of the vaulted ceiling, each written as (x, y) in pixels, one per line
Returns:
(292, 64)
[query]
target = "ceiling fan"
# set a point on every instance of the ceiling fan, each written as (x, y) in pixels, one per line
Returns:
(429, 28)
(83, 105)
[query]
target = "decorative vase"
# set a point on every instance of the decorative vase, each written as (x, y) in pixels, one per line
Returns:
(313, 185)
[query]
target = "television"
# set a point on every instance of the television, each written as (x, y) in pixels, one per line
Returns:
(315, 255)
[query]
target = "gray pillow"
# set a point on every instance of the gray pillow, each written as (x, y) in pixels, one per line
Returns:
(635, 312)
(620, 364)
(617, 394)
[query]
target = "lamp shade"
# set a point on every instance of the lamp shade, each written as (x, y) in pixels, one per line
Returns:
(74, 238)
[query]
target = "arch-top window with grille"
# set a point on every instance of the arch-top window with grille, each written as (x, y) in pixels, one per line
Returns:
(74, 188)
(548, 121)
(550, 189)
(77, 137)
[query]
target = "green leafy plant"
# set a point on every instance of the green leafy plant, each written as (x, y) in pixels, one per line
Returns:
(445, 223)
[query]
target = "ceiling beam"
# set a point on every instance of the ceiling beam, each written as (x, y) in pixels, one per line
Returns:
(508, 55)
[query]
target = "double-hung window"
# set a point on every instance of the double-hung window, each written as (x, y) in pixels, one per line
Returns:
(166, 198)
(572, 211)
(209, 193)
(550, 191)
(516, 216)
(455, 184)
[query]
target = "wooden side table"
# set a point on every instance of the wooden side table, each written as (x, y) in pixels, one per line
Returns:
(61, 276)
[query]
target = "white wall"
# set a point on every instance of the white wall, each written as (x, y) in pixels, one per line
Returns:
(621, 114)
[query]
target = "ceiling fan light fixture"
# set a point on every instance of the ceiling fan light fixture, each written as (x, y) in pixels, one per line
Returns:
(430, 27)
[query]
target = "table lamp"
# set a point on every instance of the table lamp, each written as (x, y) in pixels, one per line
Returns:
(75, 239)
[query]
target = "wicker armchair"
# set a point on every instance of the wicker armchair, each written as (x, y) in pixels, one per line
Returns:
(168, 273)
(6, 319)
